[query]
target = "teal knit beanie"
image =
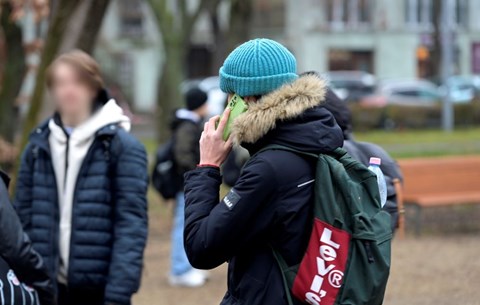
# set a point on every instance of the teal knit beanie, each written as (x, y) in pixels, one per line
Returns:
(257, 67)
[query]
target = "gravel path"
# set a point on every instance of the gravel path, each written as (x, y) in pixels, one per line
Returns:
(430, 270)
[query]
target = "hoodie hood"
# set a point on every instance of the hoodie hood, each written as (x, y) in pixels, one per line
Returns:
(108, 114)
(292, 116)
(184, 115)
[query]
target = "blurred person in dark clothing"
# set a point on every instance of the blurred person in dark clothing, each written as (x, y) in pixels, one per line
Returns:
(187, 127)
(18, 258)
(362, 151)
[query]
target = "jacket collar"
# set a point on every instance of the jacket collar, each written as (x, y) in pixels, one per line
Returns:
(287, 102)
(39, 137)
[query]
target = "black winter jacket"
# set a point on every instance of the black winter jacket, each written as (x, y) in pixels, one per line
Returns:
(271, 204)
(186, 134)
(109, 217)
(16, 249)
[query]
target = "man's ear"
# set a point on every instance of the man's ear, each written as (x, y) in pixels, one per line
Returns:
(5, 178)
(251, 99)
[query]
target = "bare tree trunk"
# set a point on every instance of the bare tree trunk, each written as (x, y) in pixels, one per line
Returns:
(92, 25)
(56, 31)
(219, 38)
(14, 70)
(176, 26)
(240, 19)
(169, 95)
(237, 32)
(84, 25)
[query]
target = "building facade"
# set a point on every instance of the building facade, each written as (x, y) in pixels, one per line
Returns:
(389, 38)
(129, 49)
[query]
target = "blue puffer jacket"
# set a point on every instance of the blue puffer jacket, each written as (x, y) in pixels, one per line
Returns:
(109, 218)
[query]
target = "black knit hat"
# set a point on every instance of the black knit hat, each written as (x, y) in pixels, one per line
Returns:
(338, 108)
(340, 111)
(196, 98)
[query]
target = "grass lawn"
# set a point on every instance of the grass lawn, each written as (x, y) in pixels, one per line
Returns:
(412, 143)
(425, 143)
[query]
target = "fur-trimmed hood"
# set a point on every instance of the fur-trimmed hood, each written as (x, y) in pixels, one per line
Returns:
(293, 116)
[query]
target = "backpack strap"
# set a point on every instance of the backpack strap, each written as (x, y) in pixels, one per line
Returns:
(338, 153)
(110, 152)
(110, 155)
(283, 266)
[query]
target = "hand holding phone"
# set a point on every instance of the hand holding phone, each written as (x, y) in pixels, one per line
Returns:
(213, 149)
(237, 106)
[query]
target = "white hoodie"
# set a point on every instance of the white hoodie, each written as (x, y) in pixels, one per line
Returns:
(68, 154)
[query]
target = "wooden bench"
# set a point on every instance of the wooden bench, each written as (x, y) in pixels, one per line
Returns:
(433, 182)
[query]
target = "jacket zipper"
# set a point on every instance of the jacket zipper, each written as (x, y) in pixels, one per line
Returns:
(88, 156)
(67, 151)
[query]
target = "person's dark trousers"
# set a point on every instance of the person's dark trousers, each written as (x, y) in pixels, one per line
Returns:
(67, 296)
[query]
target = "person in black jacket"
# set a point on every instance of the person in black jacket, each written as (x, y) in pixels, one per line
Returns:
(81, 191)
(271, 205)
(363, 151)
(16, 252)
(186, 131)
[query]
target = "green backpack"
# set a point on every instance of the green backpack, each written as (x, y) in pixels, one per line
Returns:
(347, 261)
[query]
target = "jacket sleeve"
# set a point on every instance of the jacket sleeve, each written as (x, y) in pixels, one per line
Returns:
(130, 223)
(215, 232)
(185, 147)
(16, 249)
(23, 192)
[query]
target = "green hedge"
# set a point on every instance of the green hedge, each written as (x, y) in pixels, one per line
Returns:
(412, 117)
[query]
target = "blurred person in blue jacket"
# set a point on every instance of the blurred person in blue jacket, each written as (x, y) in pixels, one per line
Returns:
(81, 191)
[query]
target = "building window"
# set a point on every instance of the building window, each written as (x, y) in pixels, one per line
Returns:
(348, 60)
(131, 18)
(420, 13)
(353, 14)
(461, 13)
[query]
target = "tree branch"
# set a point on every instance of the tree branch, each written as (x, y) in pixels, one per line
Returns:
(91, 27)
(161, 12)
(189, 23)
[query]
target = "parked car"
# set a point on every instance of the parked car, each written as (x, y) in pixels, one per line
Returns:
(351, 85)
(211, 85)
(460, 89)
(407, 92)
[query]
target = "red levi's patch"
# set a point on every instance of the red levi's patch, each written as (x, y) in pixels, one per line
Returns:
(321, 271)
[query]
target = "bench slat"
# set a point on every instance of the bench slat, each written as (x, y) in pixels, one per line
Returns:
(443, 199)
(439, 178)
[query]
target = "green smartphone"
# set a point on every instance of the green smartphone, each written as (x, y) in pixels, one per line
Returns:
(237, 106)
